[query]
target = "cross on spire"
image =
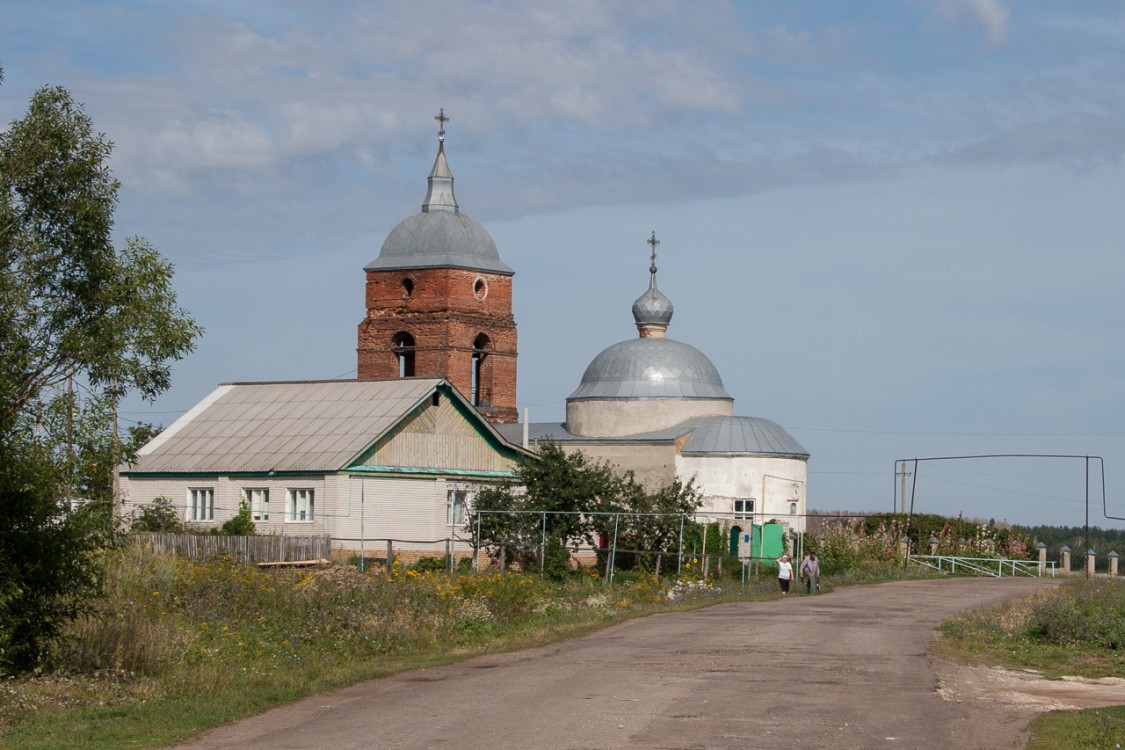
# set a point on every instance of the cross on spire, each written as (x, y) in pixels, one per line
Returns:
(442, 119)
(654, 242)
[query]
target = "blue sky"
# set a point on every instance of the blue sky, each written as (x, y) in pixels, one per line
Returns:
(895, 227)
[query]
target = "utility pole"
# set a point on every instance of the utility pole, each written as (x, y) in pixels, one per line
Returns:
(904, 474)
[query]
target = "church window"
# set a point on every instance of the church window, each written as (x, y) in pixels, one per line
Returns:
(408, 286)
(744, 508)
(299, 505)
(792, 509)
(403, 345)
(201, 504)
(480, 288)
(478, 391)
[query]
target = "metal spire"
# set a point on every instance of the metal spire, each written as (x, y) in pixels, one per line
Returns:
(439, 195)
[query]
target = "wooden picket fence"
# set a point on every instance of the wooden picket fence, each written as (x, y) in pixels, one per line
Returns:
(267, 548)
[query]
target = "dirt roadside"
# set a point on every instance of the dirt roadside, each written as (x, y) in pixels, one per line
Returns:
(849, 669)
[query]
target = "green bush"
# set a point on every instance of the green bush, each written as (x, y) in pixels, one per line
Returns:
(431, 564)
(158, 516)
(556, 560)
(240, 525)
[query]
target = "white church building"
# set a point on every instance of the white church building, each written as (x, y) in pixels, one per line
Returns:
(658, 407)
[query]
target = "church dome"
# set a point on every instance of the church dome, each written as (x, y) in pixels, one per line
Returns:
(651, 368)
(439, 239)
(652, 308)
(440, 236)
(647, 383)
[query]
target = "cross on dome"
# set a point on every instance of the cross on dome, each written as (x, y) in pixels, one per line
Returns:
(652, 311)
(442, 119)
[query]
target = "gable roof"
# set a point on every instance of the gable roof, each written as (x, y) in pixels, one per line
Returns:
(305, 426)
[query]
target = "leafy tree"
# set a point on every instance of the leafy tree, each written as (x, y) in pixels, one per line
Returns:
(81, 325)
(573, 500)
(652, 520)
(562, 488)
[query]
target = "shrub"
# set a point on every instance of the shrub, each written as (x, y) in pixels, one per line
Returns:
(431, 564)
(1081, 612)
(239, 525)
(158, 516)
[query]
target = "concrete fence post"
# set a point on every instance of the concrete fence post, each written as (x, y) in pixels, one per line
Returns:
(1091, 558)
(1113, 563)
(1065, 559)
(1042, 548)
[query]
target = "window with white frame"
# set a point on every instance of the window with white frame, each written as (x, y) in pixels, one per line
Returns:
(457, 501)
(299, 505)
(792, 509)
(201, 504)
(744, 508)
(258, 503)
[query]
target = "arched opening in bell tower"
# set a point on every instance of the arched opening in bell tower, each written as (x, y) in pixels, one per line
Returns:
(403, 346)
(480, 387)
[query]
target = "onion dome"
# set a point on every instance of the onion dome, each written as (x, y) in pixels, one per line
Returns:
(652, 311)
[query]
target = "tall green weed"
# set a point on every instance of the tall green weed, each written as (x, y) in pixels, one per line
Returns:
(1082, 612)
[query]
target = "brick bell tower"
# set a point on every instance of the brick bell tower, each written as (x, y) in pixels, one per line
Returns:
(439, 302)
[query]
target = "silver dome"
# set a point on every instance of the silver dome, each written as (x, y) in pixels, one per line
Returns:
(440, 236)
(651, 368)
(439, 239)
(652, 308)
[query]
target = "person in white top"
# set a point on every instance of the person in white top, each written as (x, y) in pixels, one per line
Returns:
(784, 573)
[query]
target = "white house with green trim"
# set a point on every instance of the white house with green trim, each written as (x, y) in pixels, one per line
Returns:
(363, 461)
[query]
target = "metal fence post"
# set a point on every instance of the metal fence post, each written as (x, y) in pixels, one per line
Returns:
(613, 545)
(543, 547)
(680, 549)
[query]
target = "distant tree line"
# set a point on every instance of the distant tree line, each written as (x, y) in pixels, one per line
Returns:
(1102, 541)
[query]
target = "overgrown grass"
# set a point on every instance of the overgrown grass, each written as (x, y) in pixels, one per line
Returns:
(1076, 629)
(179, 647)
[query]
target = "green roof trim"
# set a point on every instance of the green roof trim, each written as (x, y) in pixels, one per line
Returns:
(241, 474)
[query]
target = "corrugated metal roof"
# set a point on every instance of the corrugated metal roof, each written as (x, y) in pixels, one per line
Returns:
(285, 427)
(733, 436)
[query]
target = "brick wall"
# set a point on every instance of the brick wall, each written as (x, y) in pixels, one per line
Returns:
(445, 310)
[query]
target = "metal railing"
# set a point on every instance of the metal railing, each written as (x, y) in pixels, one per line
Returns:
(983, 566)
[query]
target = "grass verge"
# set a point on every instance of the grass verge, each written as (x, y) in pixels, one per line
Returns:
(180, 647)
(1075, 629)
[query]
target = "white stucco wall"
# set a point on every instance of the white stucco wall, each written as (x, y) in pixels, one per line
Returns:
(774, 483)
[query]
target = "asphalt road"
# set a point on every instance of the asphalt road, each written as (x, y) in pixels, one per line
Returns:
(847, 669)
